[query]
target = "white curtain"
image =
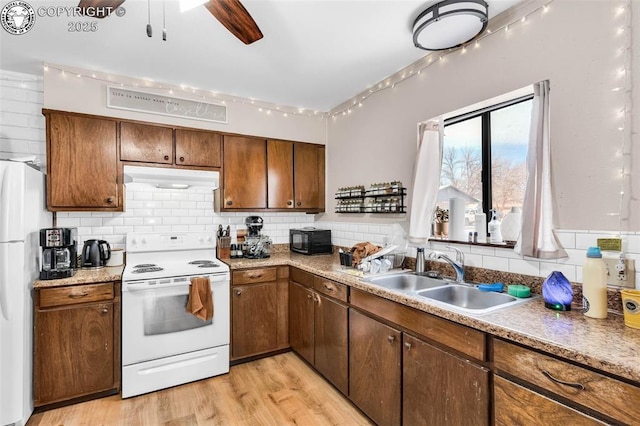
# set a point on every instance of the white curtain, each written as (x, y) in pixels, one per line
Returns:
(537, 237)
(426, 180)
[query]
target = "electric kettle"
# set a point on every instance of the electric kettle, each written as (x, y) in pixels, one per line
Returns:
(95, 253)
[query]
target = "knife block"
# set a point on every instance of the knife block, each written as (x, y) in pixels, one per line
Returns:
(223, 248)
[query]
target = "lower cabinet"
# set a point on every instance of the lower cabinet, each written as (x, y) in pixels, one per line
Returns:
(76, 342)
(318, 325)
(259, 304)
(375, 368)
(517, 405)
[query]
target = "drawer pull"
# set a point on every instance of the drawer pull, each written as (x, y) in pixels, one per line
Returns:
(252, 276)
(570, 384)
(328, 287)
(78, 295)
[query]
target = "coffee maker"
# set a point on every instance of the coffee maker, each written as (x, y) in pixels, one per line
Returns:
(258, 246)
(59, 253)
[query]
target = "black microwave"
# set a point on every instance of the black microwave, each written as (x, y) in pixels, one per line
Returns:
(310, 241)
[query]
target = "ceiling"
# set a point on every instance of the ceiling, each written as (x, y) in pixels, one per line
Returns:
(315, 53)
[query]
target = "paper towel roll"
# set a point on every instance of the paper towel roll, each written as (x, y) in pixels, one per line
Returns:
(456, 220)
(481, 227)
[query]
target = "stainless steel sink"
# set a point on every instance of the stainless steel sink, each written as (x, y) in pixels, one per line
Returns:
(407, 282)
(470, 299)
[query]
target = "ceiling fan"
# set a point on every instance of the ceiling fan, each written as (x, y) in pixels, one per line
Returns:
(230, 13)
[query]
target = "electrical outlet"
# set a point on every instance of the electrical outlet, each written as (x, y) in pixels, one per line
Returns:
(619, 277)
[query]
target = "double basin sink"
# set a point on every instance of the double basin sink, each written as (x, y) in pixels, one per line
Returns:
(462, 297)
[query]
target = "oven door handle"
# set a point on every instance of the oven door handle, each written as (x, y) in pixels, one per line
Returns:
(144, 286)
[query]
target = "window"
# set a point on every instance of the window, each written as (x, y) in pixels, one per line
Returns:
(484, 158)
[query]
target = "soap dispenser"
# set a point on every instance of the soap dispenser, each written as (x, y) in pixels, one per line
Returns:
(495, 236)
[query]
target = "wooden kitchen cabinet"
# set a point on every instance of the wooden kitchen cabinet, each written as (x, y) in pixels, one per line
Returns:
(295, 175)
(146, 143)
(244, 168)
(375, 368)
(318, 328)
(259, 320)
(439, 388)
(517, 405)
(198, 148)
(76, 342)
(571, 390)
(82, 163)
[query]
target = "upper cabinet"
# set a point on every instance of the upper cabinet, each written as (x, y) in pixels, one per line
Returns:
(147, 143)
(295, 175)
(244, 184)
(82, 163)
(198, 148)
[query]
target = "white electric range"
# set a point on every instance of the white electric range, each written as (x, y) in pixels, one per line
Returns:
(162, 344)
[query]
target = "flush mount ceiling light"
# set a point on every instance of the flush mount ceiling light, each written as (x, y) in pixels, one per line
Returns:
(449, 24)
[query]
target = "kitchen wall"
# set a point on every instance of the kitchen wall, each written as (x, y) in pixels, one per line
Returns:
(23, 127)
(575, 45)
(151, 209)
(66, 92)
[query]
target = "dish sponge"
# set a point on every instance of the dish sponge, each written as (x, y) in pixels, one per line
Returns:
(497, 287)
(517, 290)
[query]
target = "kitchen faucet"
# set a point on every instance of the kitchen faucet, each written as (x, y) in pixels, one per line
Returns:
(458, 265)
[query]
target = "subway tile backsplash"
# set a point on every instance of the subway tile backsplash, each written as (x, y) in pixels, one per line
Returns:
(150, 209)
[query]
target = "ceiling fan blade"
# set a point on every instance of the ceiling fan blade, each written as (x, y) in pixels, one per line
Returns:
(233, 15)
(102, 8)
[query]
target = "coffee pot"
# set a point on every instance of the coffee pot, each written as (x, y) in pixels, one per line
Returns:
(58, 253)
(95, 253)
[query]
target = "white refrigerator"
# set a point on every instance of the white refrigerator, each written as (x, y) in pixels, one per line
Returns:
(22, 214)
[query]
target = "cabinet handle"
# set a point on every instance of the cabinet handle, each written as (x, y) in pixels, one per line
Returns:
(110, 200)
(182, 159)
(299, 203)
(166, 157)
(229, 202)
(238, 292)
(290, 203)
(407, 345)
(309, 296)
(570, 384)
(391, 339)
(105, 310)
(328, 287)
(78, 295)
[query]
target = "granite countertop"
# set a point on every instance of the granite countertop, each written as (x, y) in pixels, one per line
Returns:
(605, 344)
(84, 276)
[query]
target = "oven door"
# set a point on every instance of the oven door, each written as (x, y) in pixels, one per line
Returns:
(155, 323)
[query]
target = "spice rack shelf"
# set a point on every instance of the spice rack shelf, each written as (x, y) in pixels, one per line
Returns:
(384, 198)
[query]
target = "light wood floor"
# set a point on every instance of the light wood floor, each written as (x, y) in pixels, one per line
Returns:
(280, 390)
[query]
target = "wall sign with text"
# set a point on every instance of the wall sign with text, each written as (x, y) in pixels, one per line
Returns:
(133, 100)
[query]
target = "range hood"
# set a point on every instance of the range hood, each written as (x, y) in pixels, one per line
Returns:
(163, 177)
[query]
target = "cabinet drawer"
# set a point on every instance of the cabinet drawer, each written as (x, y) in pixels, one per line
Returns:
(72, 295)
(330, 288)
(252, 276)
(587, 388)
(301, 277)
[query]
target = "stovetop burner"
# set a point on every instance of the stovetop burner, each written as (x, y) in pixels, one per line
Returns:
(142, 270)
(146, 265)
(204, 263)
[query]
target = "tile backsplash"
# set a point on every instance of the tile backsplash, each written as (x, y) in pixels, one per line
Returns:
(150, 209)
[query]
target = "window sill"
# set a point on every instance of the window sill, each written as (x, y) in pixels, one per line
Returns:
(501, 245)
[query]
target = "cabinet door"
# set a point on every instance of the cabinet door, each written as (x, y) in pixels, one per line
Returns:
(244, 173)
(198, 148)
(254, 317)
(74, 353)
(307, 175)
(146, 143)
(280, 174)
(516, 405)
(331, 341)
(374, 368)
(82, 163)
(301, 330)
(439, 388)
